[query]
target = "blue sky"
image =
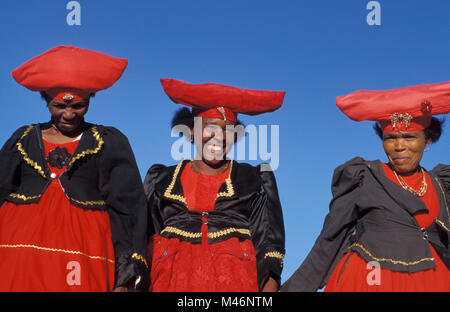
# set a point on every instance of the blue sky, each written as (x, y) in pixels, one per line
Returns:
(313, 50)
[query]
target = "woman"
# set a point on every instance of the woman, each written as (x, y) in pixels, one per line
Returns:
(388, 225)
(216, 225)
(73, 209)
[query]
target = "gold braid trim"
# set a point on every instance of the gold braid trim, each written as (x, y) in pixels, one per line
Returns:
(230, 189)
(218, 234)
(389, 260)
(89, 151)
(174, 230)
(23, 197)
(74, 252)
(25, 155)
(275, 254)
(168, 192)
(88, 203)
(139, 257)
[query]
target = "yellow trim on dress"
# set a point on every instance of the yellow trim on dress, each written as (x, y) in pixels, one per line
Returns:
(74, 252)
(214, 235)
(25, 155)
(387, 259)
(276, 255)
(139, 257)
(174, 230)
(88, 203)
(230, 189)
(89, 151)
(168, 192)
(23, 197)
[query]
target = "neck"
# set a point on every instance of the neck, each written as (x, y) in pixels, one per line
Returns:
(406, 174)
(72, 134)
(201, 167)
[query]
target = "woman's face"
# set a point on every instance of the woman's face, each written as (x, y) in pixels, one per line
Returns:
(216, 140)
(68, 117)
(404, 149)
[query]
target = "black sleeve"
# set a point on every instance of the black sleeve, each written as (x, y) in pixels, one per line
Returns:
(267, 228)
(121, 187)
(10, 158)
(153, 202)
(337, 229)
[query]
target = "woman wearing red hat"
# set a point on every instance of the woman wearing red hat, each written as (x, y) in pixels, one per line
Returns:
(388, 228)
(73, 209)
(215, 224)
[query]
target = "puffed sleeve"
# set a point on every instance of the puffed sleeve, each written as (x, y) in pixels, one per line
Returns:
(267, 228)
(153, 202)
(121, 187)
(10, 165)
(443, 173)
(337, 229)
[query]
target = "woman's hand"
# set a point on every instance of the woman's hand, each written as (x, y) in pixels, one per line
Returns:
(120, 289)
(270, 286)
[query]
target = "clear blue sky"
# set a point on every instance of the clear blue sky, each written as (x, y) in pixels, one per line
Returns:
(314, 50)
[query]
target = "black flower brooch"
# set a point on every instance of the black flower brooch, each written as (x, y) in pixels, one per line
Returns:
(59, 157)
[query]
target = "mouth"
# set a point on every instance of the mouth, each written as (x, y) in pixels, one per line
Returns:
(215, 150)
(401, 160)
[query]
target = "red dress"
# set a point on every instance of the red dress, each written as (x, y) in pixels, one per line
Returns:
(353, 276)
(181, 266)
(53, 245)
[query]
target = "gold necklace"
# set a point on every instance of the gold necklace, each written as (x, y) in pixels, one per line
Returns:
(423, 188)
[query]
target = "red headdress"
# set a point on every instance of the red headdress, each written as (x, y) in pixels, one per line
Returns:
(67, 73)
(404, 109)
(212, 100)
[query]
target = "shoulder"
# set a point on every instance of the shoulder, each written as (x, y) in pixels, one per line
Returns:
(109, 133)
(19, 134)
(350, 174)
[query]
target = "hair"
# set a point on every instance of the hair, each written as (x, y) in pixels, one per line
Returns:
(185, 117)
(433, 132)
(48, 99)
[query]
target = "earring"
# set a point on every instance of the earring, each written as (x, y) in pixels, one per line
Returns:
(427, 149)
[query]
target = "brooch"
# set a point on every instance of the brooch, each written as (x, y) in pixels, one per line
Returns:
(59, 157)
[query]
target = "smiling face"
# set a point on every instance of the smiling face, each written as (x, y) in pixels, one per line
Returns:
(68, 117)
(217, 138)
(404, 150)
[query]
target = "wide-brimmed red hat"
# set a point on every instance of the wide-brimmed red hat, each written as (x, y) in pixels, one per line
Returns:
(405, 109)
(212, 100)
(68, 73)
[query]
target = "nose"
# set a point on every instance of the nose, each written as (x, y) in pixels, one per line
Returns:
(68, 115)
(399, 144)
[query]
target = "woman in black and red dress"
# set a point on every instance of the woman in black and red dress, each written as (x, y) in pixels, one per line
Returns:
(388, 228)
(215, 224)
(73, 209)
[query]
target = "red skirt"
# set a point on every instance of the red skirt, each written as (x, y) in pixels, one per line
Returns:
(356, 276)
(55, 246)
(179, 266)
